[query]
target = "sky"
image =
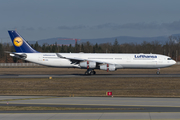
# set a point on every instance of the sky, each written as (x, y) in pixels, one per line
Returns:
(86, 19)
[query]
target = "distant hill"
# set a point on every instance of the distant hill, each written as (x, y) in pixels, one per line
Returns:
(120, 39)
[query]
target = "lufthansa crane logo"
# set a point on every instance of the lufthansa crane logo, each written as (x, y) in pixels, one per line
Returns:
(18, 41)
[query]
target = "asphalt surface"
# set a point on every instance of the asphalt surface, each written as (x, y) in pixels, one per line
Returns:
(89, 116)
(122, 103)
(129, 108)
(96, 76)
(119, 109)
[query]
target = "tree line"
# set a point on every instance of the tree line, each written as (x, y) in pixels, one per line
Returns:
(169, 48)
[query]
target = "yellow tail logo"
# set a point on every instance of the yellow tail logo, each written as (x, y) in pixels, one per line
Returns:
(18, 41)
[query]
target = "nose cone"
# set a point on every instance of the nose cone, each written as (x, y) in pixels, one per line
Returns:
(173, 62)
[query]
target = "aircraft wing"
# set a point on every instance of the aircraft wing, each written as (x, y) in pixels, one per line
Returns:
(76, 60)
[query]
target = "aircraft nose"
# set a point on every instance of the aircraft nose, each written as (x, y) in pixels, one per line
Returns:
(174, 62)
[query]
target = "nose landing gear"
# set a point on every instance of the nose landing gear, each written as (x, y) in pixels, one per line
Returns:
(158, 71)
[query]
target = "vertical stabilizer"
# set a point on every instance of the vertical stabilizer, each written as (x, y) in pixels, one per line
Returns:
(20, 44)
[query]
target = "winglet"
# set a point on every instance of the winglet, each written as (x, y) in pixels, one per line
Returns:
(20, 44)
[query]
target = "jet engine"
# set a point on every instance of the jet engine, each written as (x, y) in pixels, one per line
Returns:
(88, 64)
(108, 67)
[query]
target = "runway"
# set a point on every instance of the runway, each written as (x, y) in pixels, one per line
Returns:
(90, 116)
(95, 101)
(138, 109)
(91, 76)
(127, 108)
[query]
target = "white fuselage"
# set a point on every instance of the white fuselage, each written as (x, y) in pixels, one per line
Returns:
(119, 60)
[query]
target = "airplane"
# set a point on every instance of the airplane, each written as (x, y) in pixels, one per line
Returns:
(88, 61)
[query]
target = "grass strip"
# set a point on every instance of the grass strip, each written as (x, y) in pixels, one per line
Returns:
(80, 87)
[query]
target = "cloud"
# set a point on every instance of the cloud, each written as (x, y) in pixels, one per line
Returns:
(141, 26)
(72, 27)
(172, 26)
(106, 25)
(30, 29)
(138, 26)
(41, 28)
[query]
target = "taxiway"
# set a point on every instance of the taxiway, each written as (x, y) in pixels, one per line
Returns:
(94, 76)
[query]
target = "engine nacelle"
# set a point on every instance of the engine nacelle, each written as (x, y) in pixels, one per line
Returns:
(87, 64)
(108, 67)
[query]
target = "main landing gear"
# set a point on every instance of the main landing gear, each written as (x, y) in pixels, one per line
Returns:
(158, 71)
(90, 72)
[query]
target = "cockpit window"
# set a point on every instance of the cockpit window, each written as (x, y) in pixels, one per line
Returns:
(169, 59)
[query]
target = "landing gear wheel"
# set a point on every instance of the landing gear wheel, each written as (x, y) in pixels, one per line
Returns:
(157, 72)
(89, 72)
(93, 72)
(86, 73)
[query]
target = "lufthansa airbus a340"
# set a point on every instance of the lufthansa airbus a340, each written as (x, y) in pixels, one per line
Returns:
(88, 61)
